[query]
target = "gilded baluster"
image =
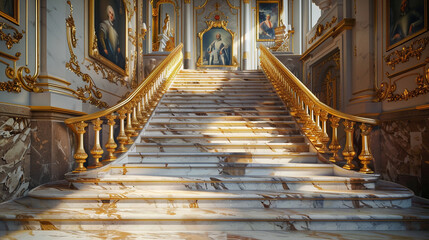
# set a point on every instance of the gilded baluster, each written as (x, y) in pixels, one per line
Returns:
(323, 137)
(129, 130)
(122, 137)
(134, 121)
(334, 146)
(80, 155)
(111, 144)
(365, 157)
(97, 151)
(349, 152)
(140, 117)
(317, 130)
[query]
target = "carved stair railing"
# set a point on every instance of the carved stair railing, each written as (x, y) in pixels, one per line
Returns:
(313, 115)
(133, 112)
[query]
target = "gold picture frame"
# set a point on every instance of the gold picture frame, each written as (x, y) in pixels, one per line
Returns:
(10, 11)
(396, 12)
(207, 38)
(111, 51)
(265, 27)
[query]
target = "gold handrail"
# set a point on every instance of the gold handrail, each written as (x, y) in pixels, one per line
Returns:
(132, 112)
(313, 115)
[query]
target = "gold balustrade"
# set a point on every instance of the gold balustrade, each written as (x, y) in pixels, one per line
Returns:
(312, 115)
(132, 112)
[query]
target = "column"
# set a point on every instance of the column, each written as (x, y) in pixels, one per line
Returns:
(246, 28)
(188, 35)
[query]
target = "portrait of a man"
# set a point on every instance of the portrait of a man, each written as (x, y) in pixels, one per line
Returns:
(109, 26)
(217, 44)
(406, 19)
(268, 19)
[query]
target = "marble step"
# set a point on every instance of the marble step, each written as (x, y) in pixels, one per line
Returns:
(237, 111)
(210, 103)
(219, 123)
(169, 129)
(244, 87)
(223, 169)
(218, 107)
(226, 98)
(221, 84)
(219, 147)
(214, 138)
(272, 158)
(65, 195)
(220, 114)
(249, 118)
(220, 219)
(222, 182)
(210, 235)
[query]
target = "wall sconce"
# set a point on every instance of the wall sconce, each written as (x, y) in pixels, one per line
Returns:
(143, 30)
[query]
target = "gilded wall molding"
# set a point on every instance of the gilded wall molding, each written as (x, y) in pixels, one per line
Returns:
(10, 39)
(415, 49)
(321, 28)
(232, 6)
(387, 90)
(202, 5)
(89, 92)
(21, 78)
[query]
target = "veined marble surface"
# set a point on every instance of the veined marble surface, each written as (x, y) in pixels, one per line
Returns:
(211, 235)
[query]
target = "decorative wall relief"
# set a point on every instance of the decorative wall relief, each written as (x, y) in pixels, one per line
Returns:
(405, 20)
(14, 161)
(20, 76)
(387, 90)
(326, 78)
(10, 39)
(321, 29)
(89, 92)
(401, 56)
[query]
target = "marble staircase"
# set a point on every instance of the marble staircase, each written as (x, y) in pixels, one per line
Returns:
(220, 158)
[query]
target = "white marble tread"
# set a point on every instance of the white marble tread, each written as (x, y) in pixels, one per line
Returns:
(63, 190)
(214, 235)
(225, 178)
(219, 214)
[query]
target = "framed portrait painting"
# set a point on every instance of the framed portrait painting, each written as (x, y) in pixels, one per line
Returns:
(216, 46)
(108, 35)
(9, 9)
(405, 20)
(267, 19)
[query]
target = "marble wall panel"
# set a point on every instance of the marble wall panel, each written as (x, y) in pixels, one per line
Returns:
(51, 151)
(14, 157)
(405, 153)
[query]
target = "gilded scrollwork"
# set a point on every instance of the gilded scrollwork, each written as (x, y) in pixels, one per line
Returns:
(88, 93)
(386, 91)
(401, 56)
(321, 28)
(9, 38)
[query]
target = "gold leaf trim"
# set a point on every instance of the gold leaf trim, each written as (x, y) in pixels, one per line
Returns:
(321, 28)
(9, 38)
(403, 55)
(386, 91)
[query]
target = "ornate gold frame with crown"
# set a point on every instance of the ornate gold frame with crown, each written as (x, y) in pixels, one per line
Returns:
(218, 23)
(93, 39)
